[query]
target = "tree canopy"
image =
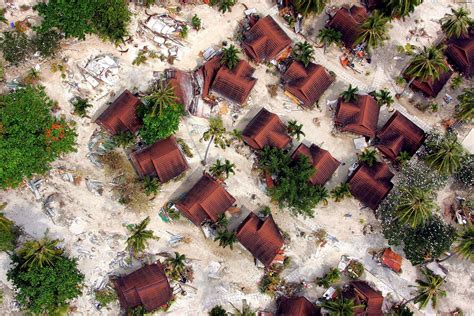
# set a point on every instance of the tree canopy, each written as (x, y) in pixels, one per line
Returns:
(30, 137)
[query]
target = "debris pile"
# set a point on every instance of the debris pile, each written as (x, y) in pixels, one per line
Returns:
(102, 68)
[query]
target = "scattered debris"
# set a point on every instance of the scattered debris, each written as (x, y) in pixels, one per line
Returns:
(95, 186)
(103, 68)
(34, 186)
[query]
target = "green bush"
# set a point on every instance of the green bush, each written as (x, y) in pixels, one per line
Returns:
(217, 311)
(465, 174)
(329, 278)
(161, 126)
(47, 43)
(8, 234)
(105, 296)
(15, 47)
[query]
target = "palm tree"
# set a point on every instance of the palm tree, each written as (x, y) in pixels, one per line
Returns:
(162, 97)
(303, 52)
(151, 185)
(374, 30)
(216, 169)
(230, 57)
(177, 263)
(384, 97)
(329, 36)
(446, 155)
(403, 157)
(350, 94)
(339, 307)
(2, 16)
(429, 290)
(124, 139)
(226, 238)
(306, 7)
(228, 168)
(401, 8)
(196, 22)
(368, 156)
(465, 246)
(40, 252)
(415, 207)
(80, 106)
(295, 129)
(245, 311)
(428, 64)
(215, 134)
(322, 194)
(457, 24)
(226, 5)
(217, 310)
(465, 108)
(340, 192)
(139, 236)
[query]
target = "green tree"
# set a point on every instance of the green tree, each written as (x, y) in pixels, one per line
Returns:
(368, 156)
(8, 234)
(329, 278)
(328, 36)
(177, 264)
(161, 97)
(151, 185)
(401, 8)
(444, 154)
(218, 169)
(339, 307)
(230, 56)
(31, 138)
(2, 16)
(340, 192)
(416, 207)
(124, 139)
(47, 43)
(184, 32)
(350, 95)
(15, 47)
(226, 238)
(137, 242)
(374, 30)
(457, 23)
(42, 252)
(80, 106)
(403, 157)
(217, 311)
(215, 134)
(384, 97)
(246, 310)
(307, 7)
(156, 127)
(465, 174)
(465, 243)
(46, 289)
(303, 52)
(196, 22)
(295, 129)
(465, 108)
(430, 289)
(226, 5)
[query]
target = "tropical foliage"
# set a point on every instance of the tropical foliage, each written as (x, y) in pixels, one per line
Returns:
(465, 174)
(222, 170)
(368, 156)
(226, 238)
(350, 95)
(15, 47)
(465, 243)
(124, 139)
(80, 106)
(415, 206)
(215, 134)
(339, 307)
(340, 192)
(328, 36)
(295, 129)
(230, 56)
(307, 7)
(329, 278)
(39, 253)
(151, 185)
(443, 153)
(303, 52)
(137, 242)
(457, 23)
(217, 311)
(30, 137)
(196, 22)
(465, 108)
(400, 8)
(8, 234)
(224, 5)
(384, 97)
(176, 266)
(430, 289)
(374, 30)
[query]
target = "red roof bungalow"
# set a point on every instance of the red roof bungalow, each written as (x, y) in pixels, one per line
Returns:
(266, 40)
(266, 129)
(120, 116)
(163, 159)
(205, 201)
(363, 294)
(348, 22)
(392, 260)
(370, 185)
(431, 87)
(296, 306)
(262, 238)
(359, 117)
(147, 287)
(306, 84)
(324, 163)
(399, 134)
(460, 53)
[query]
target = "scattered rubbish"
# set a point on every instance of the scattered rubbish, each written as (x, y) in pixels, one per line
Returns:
(122, 260)
(250, 11)
(34, 186)
(68, 177)
(163, 27)
(214, 268)
(360, 143)
(175, 240)
(437, 269)
(95, 186)
(329, 293)
(50, 205)
(101, 68)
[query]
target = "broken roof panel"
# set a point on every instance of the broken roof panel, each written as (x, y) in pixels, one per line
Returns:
(460, 52)
(236, 84)
(322, 161)
(205, 201)
(265, 40)
(266, 129)
(359, 117)
(392, 260)
(163, 159)
(348, 22)
(296, 306)
(307, 84)
(121, 116)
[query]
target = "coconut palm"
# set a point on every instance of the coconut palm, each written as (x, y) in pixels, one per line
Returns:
(230, 57)
(415, 207)
(384, 97)
(368, 156)
(374, 31)
(162, 97)
(306, 7)
(226, 238)
(465, 245)
(465, 108)
(228, 168)
(218, 169)
(196, 22)
(457, 24)
(151, 185)
(340, 192)
(303, 52)
(429, 289)
(339, 307)
(350, 94)
(245, 311)
(80, 106)
(322, 194)
(295, 129)
(428, 64)
(403, 157)
(226, 5)
(215, 134)
(328, 36)
(139, 236)
(446, 155)
(2, 16)
(40, 252)
(401, 8)
(177, 263)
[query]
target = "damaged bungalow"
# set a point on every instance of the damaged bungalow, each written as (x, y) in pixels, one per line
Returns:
(370, 185)
(430, 87)
(399, 134)
(296, 306)
(305, 85)
(348, 22)
(322, 161)
(460, 53)
(120, 116)
(359, 117)
(163, 160)
(262, 238)
(147, 287)
(183, 86)
(369, 299)
(266, 129)
(206, 200)
(265, 41)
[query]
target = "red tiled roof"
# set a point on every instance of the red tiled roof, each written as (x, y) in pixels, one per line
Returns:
(261, 238)
(120, 116)
(148, 286)
(208, 73)
(163, 159)
(266, 129)
(370, 185)
(182, 85)
(372, 299)
(392, 260)
(460, 51)
(236, 84)
(265, 40)
(399, 134)
(431, 87)
(360, 117)
(306, 83)
(296, 306)
(205, 201)
(322, 161)
(348, 22)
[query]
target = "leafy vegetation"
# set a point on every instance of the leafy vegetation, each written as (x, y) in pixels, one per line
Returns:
(465, 243)
(105, 296)
(328, 36)
(8, 234)
(47, 43)
(368, 156)
(226, 238)
(307, 7)
(196, 22)
(15, 47)
(400, 8)
(222, 170)
(137, 242)
(124, 139)
(340, 192)
(384, 97)
(230, 56)
(350, 95)
(224, 5)
(217, 311)
(374, 30)
(465, 108)
(416, 206)
(303, 52)
(80, 106)
(216, 134)
(443, 153)
(339, 307)
(30, 137)
(295, 129)
(430, 289)
(457, 23)
(465, 174)
(329, 278)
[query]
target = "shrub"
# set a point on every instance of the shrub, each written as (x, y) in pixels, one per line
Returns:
(465, 174)
(80, 106)
(124, 139)
(355, 269)
(156, 127)
(105, 296)
(47, 43)
(329, 278)
(8, 234)
(185, 148)
(15, 47)
(217, 311)
(196, 22)
(270, 282)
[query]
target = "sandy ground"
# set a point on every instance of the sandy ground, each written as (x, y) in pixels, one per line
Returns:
(92, 227)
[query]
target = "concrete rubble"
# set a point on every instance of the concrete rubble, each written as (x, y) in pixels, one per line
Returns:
(102, 68)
